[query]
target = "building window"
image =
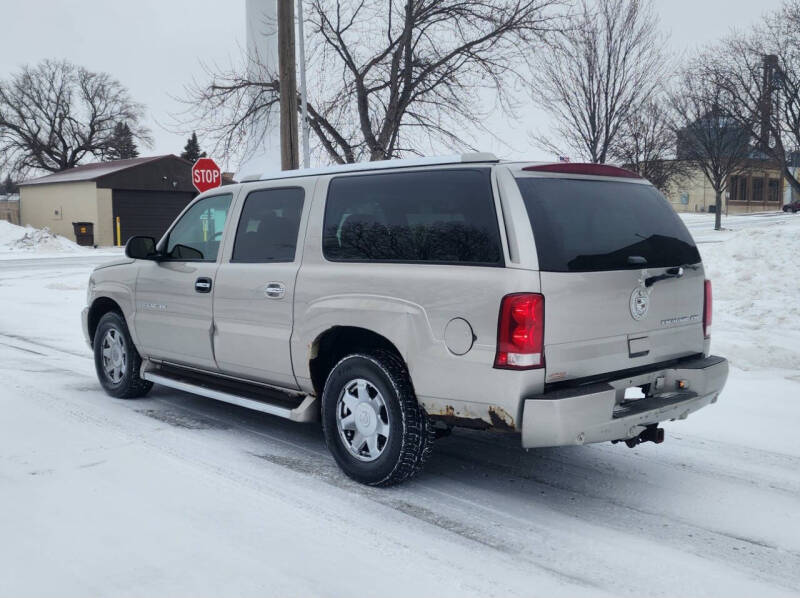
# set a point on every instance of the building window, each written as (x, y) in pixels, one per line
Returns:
(758, 190)
(774, 190)
(738, 188)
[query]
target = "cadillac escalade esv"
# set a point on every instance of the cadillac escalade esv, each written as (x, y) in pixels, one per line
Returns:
(395, 300)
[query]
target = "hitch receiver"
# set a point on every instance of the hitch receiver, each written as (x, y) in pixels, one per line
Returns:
(651, 433)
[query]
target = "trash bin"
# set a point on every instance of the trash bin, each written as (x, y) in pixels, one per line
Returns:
(84, 233)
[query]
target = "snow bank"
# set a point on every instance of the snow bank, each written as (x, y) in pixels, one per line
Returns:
(15, 238)
(755, 273)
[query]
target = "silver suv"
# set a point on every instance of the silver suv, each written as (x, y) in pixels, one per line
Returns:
(394, 300)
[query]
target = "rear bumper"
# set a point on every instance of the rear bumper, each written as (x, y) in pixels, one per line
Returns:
(598, 412)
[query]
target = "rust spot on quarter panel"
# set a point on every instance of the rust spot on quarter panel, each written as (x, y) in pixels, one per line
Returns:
(501, 420)
(495, 418)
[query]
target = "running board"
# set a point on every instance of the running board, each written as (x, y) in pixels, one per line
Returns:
(304, 411)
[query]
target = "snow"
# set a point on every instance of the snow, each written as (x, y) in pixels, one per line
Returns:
(17, 241)
(26, 238)
(179, 495)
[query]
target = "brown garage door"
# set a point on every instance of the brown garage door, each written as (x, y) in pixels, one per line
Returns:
(147, 213)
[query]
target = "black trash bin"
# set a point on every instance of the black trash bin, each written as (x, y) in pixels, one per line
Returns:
(84, 233)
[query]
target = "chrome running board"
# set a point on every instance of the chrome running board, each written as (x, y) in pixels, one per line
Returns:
(294, 408)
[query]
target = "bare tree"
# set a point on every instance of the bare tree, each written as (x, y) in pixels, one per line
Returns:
(389, 76)
(55, 114)
(760, 72)
(602, 70)
(708, 135)
(647, 142)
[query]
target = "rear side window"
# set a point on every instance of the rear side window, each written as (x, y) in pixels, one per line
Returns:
(589, 226)
(437, 216)
(268, 226)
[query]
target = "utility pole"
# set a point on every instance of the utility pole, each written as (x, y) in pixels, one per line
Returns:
(288, 85)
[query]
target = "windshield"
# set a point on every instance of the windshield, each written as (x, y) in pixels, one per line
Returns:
(590, 226)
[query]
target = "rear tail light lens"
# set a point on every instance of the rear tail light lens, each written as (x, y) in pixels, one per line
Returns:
(520, 332)
(707, 303)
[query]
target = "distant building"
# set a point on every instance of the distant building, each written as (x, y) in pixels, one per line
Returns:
(121, 198)
(9, 207)
(758, 188)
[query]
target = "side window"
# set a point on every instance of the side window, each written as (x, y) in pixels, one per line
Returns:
(439, 216)
(198, 233)
(268, 226)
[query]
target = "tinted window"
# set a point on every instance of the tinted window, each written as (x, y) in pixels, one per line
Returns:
(268, 226)
(584, 226)
(444, 216)
(196, 236)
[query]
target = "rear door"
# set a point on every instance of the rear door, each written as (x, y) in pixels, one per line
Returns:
(603, 246)
(254, 293)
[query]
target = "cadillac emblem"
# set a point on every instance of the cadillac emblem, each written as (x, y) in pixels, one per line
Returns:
(640, 302)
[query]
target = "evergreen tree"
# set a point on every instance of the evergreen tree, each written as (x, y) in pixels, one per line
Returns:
(121, 146)
(191, 150)
(9, 187)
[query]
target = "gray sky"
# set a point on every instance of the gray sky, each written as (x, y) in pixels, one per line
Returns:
(154, 47)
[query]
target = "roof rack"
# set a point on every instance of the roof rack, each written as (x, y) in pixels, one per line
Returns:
(376, 165)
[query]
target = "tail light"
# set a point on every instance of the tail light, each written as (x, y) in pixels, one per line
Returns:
(581, 169)
(520, 332)
(707, 301)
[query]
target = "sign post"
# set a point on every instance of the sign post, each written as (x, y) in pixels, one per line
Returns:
(206, 175)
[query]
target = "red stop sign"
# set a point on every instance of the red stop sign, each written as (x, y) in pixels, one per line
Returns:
(206, 174)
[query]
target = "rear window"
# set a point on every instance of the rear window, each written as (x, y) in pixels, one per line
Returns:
(437, 216)
(588, 226)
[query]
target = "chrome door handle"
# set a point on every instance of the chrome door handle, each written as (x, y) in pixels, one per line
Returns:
(275, 290)
(202, 285)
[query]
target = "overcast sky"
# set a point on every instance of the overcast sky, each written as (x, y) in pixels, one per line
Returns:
(154, 47)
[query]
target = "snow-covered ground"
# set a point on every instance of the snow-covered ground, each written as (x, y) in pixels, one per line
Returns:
(178, 495)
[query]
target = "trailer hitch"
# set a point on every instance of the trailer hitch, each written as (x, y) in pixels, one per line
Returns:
(651, 433)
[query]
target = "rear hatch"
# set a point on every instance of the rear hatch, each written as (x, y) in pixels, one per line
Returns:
(603, 246)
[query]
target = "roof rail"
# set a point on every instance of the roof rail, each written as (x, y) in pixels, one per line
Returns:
(376, 165)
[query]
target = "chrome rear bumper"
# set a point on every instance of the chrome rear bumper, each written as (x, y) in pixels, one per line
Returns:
(598, 412)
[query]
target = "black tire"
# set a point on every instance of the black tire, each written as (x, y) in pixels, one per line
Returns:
(411, 435)
(128, 385)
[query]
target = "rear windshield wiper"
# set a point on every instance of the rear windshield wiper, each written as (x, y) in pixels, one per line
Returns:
(676, 272)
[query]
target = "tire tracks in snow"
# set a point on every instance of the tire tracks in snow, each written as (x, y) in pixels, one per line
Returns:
(492, 476)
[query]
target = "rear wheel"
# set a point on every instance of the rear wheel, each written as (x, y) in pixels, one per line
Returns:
(116, 359)
(374, 426)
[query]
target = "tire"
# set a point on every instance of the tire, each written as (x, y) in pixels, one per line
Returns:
(116, 359)
(378, 388)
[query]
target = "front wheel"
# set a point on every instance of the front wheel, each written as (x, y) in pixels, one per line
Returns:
(116, 359)
(374, 426)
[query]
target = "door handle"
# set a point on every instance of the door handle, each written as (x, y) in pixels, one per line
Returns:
(202, 285)
(275, 290)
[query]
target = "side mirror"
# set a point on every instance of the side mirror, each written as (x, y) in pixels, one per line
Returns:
(141, 248)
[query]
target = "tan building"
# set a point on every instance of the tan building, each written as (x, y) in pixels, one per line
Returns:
(758, 188)
(122, 198)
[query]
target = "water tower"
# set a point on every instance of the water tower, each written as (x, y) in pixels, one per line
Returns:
(263, 155)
